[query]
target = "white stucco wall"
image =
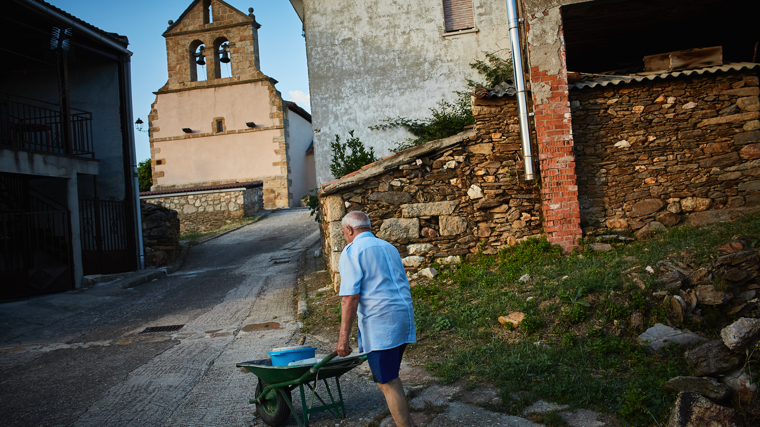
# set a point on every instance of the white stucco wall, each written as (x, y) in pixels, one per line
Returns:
(300, 136)
(373, 60)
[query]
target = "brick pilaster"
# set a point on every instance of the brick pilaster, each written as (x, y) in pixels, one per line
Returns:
(559, 187)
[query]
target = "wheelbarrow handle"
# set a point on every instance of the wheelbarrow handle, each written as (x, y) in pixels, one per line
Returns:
(324, 361)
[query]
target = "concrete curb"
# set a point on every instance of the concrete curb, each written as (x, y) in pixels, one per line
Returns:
(158, 273)
(258, 218)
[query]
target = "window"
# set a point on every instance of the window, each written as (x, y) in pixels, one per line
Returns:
(458, 15)
(208, 15)
(219, 126)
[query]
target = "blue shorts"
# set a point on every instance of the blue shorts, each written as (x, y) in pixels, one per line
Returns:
(385, 364)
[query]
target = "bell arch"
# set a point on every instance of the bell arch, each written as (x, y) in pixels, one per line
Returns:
(222, 58)
(197, 61)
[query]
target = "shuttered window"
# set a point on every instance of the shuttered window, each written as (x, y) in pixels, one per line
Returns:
(458, 15)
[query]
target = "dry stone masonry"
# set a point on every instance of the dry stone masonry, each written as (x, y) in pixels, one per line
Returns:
(160, 234)
(668, 151)
(444, 199)
(208, 210)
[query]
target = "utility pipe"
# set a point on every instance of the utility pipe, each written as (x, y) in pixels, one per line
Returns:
(127, 66)
(522, 104)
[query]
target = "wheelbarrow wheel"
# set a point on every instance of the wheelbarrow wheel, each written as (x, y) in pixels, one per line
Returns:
(273, 409)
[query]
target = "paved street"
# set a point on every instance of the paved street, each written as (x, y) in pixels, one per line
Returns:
(79, 359)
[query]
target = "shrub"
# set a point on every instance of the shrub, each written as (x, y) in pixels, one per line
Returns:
(144, 175)
(349, 156)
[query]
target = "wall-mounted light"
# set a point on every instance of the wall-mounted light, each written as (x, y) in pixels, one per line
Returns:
(187, 130)
(139, 125)
(251, 124)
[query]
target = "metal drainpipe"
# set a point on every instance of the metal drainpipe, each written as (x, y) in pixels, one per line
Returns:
(133, 152)
(522, 104)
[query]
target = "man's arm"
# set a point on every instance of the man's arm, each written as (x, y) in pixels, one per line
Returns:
(348, 314)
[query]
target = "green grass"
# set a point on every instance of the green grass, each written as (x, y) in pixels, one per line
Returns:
(588, 356)
(194, 236)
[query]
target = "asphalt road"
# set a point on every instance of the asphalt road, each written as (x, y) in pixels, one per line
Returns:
(79, 359)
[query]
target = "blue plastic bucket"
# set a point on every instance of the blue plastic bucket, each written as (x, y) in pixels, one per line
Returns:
(285, 355)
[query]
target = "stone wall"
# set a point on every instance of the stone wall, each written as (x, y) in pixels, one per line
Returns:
(204, 211)
(441, 199)
(669, 150)
(160, 234)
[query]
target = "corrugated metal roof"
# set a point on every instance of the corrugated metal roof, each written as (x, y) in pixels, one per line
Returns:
(249, 184)
(605, 79)
(505, 89)
(122, 40)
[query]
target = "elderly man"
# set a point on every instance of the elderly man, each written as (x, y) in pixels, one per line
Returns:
(373, 284)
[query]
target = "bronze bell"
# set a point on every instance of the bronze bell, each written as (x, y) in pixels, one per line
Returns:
(201, 58)
(225, 52)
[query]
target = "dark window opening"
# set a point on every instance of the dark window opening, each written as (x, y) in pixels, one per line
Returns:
(615, 35)
(458, 15)
(219, 126)
(208, 15)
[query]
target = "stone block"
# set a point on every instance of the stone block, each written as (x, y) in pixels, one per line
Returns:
(750, 103)
(428, 209)
(334, 261)
(750, 137)
(708, 295)
(668, 219)
(696, 204)
(334, 208)
(729, 159)
(452, 225)
(391, 197)
(475, 192)
(420, 249)
(337, 239)
(486, 149)
(395, 229)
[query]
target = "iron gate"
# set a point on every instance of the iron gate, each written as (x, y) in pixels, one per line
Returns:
(35, 253)
(105, 246)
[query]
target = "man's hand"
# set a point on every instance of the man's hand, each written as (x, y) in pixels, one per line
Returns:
(348, 314)
(343, 348)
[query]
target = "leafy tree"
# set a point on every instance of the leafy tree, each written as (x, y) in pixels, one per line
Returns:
(144, 175)
(349, 156)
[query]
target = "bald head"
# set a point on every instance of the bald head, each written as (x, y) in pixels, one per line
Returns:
(355, 223)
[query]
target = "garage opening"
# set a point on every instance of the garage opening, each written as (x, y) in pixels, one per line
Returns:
(614, 36)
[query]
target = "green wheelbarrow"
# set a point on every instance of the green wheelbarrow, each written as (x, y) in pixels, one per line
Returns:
(273, 393)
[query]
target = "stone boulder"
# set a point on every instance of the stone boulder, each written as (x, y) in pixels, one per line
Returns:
(601, 247)
(412, 261)
(712, 358)
(708, 295)
(693, 410)
(646, 207)
(671, 280)
(452, 225)
(429, 272)
(740, 381)
(650, 230)
(708, 217)
(706, 386)
(659, 336)
(668, 219)
(742, 334)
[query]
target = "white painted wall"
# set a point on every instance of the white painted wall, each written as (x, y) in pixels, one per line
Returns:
(300, 137)
(372, 60)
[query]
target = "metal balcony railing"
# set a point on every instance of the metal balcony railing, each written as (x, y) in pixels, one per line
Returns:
(35, 125)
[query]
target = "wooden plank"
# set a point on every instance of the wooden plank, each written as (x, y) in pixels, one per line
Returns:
(697, 58)
(684, 59)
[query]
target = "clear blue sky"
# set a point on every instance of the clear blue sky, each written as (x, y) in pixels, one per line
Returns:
(282, 49)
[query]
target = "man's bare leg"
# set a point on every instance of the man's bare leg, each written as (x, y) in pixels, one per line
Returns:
(394, 396)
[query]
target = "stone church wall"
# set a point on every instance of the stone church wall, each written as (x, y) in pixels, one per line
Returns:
(466, 198)
(683, 149)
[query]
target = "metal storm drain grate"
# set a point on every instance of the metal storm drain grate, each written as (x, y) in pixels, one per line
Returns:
(170, 328)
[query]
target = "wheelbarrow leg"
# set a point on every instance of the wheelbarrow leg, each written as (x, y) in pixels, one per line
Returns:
(340, 396)
(339, 406)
